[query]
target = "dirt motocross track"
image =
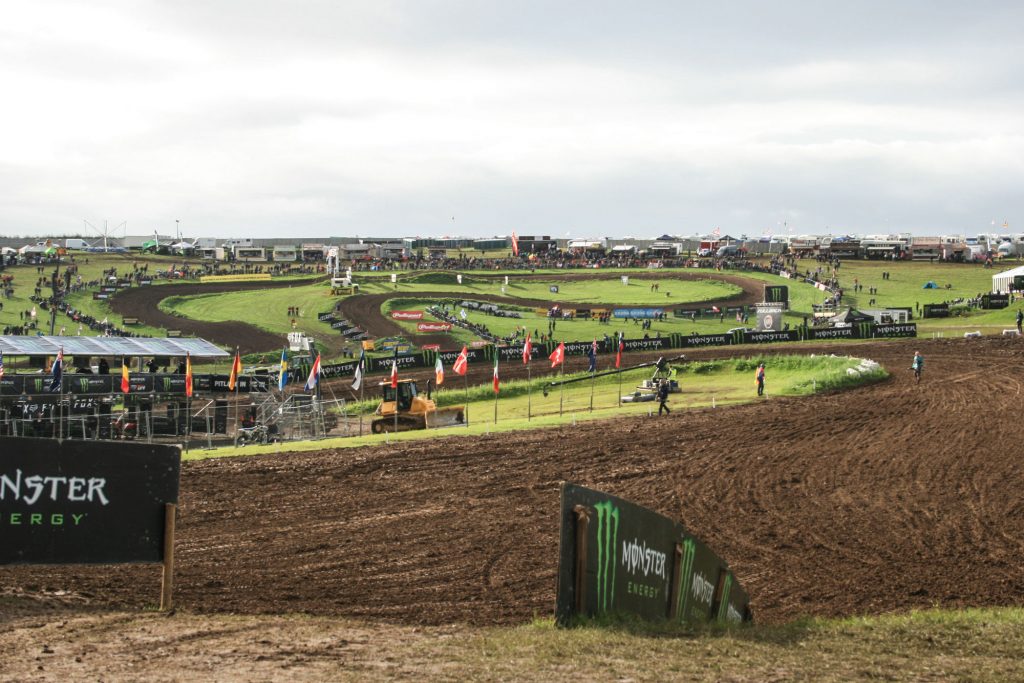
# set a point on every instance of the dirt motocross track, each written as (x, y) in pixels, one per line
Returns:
(882, 498)
(365, 308)
(143, 303)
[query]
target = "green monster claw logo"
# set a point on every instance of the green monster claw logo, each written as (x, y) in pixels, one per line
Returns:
(685, 572)
(39, 385)
(167, 385)
(607, 557)
(723, 607)
(83, 383)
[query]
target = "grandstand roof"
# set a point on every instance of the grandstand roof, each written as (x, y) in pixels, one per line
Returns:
(14, 345)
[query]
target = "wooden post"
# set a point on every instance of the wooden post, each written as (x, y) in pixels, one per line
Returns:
(167, 581)
(582, 525)
(674, 587)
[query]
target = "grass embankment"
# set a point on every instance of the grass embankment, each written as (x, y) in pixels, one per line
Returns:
(935, 645)
(266, 309)
(522, 405)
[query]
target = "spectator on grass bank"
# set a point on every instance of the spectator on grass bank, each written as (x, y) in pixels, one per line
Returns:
(759, 379)
(1020, 321)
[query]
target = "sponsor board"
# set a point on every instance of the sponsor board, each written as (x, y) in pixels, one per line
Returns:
(831, 333)
(78, 502)
(325, 317)
(433, 327)
(407, 315)
(900, 330)
(776, 294)
(769, 317)
(768, 337)
(431, 347)
(638, 562)
(629, 313)
(698, 340)
(100, 296)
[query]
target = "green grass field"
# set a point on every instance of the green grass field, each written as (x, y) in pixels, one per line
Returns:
(523, 405)
(263, 308)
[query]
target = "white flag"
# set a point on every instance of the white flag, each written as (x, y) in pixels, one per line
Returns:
(462, 313)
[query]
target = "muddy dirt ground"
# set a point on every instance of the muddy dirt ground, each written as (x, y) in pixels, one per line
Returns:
(882, 498)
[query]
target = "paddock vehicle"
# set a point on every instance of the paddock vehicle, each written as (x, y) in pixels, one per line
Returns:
(647, 390)
(413, 410)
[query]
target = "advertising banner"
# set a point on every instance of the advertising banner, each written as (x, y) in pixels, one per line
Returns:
(325, 317)
(630, 313)
(769, 317)
(407, 315)
(433, 327)
(79, 502)
(698, 340)
(769, 337)
(831, 333)
(618, 557)
(901, 330)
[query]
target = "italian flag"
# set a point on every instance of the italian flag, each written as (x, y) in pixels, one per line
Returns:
(497, 382)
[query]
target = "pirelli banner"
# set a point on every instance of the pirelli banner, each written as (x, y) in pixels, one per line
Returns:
(617, 557)
(80, 502)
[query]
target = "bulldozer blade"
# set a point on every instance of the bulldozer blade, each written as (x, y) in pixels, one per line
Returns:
(446, 417)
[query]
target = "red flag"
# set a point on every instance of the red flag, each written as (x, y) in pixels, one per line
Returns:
(496, 381)
(527, 350)
(557, 356)
(515, 244)
(394, 374)
(618, 356)
(188, 375)
(236, 370)
(460, 362)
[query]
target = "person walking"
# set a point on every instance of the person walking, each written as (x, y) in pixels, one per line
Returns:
(917, 366)
(1020, 321)
(663, 397)
(759, 379)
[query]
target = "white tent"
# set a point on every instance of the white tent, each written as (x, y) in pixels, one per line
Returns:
(1003, 282)
(8, 250)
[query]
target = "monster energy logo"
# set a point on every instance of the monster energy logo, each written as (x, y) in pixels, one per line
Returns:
(737, 337)
(723, 606)
(607, 540)
(689, 550)
(83, 384)
(167, 384)
(39, 385)
(865, 330)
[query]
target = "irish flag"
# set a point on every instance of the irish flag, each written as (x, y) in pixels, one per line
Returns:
(439, 371)
(496, 380)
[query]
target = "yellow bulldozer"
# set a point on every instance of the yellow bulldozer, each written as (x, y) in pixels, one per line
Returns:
(413, 410)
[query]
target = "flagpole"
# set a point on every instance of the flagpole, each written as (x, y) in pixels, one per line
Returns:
(496, 388)
(593, 378)
(465, 381)
(618, 366)
(561, 385)
(360, 405)
(529, 391)
(238, 382)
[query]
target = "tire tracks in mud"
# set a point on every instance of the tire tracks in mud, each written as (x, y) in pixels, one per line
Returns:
(882, 498)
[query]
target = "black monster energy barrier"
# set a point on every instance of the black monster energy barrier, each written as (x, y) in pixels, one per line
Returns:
(80, 502)
(617, 557)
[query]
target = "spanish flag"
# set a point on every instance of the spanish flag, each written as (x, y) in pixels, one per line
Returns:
(188, 375)
(236, 370)
(125, 386)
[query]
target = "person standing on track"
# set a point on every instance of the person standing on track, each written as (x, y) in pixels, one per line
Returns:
(663, 397)
(917, 366)
(759, 379)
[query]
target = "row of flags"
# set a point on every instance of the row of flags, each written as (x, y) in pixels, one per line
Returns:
(460, 367)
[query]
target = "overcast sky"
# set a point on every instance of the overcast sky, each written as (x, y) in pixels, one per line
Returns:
(331, 117)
